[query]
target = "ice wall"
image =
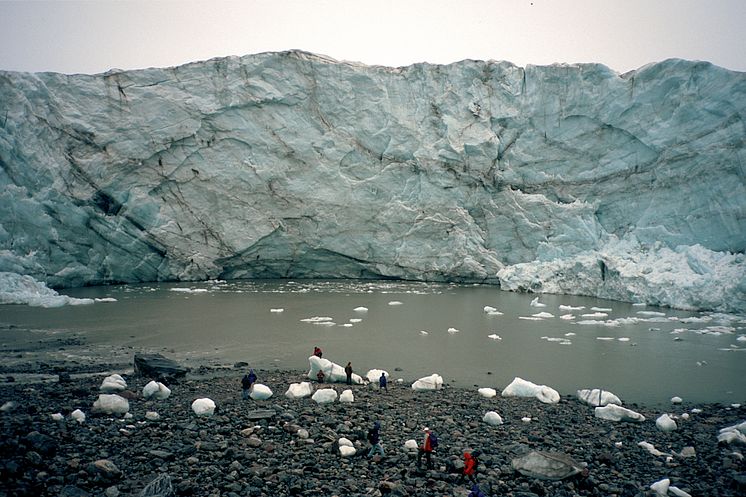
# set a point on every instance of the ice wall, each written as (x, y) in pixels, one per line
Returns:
(565, 178)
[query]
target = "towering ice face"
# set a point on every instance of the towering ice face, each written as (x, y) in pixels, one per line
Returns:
(566, 178)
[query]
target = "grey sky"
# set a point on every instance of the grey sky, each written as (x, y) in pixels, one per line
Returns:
(95, 36)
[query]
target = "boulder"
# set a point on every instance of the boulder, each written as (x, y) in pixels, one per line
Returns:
(159, 367)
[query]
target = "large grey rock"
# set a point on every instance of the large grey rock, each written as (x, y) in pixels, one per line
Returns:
(158, 367)
(562, 179)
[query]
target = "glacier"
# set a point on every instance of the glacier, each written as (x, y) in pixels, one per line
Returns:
(561, 179)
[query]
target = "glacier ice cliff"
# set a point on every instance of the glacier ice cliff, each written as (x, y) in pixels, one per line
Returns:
(564, 178)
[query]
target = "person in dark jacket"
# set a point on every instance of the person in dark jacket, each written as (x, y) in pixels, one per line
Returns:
(348, 372)
(476, 492)
(383, 382)
(317, 352)
(246, 382)
(374, 437)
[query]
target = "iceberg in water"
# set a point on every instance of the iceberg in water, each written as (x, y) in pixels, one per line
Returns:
(17, 289)
(522, 388)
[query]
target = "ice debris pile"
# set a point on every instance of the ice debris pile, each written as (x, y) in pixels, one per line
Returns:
(476, 171)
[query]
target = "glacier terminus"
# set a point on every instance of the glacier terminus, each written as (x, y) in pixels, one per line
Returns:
(568, 179)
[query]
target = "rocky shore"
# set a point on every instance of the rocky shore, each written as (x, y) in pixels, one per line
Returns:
(294, 450)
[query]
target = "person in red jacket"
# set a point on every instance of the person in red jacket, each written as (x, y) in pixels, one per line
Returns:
(426, 449)
(470, 468)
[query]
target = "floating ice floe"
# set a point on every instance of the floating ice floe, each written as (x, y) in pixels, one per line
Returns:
(665, 423)
(530, 318)
(613, 412)
(487, 393)
(111, 404)
(492, 418)
(156, 390)
(319, 320)
(494, 337)
(324, 396)
(354, 320)
(277, 310)
(560, 340)
(203, 407)
(260, 392)
(598, 397)
(594, 315)
(567, 317)
(651, 313)
(188, 290)
(347, 396)
(299, 390)
(453, 330)
(522, 388)
(113, 383)
(333, 373)
(543, 315)
(601, 309)
(360, 309)
(571, 308)
(535, 303)
(395, 302)
(432, 382)
(424, 333)
(105, 300)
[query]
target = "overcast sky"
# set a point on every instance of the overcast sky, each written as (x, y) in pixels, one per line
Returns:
(94, 36)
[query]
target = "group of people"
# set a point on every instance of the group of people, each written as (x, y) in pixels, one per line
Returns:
(429, 441)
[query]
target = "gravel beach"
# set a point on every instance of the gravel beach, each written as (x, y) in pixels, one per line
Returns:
(295, 451)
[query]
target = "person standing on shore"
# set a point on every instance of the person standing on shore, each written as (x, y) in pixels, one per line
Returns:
(383, 382)
(428, 445)
(348, 372)
(374, 437)
(320, 376)
(470, 468)
(246, 382)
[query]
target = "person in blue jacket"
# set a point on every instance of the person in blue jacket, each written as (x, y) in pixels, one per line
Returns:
(383, 382)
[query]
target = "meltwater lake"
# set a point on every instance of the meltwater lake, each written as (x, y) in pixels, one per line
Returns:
(642, 354)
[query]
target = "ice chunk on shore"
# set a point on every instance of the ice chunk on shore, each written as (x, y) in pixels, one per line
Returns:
(334, 373)
(203, 407)
(78, 416)
(260, 392)
(487, 393)
(347, 396)
(113, 383)
(432, 382)
(324, 396)
(598, 397)
(651, 449)
(665, 423)
(410, 445)
(111, 404)
(156, 390)
(375, 374)
(733, 434)
(522, 388)
(299, 390)
(492, 418)
(613, 412)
